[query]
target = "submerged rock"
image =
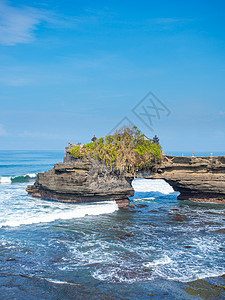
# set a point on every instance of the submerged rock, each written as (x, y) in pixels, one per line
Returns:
(205, 289)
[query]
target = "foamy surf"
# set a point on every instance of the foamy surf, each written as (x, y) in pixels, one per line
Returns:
(143, 199)
(60, 282)
(65, 244)
(5, 180)
(162, 261)
(43, 212)
(152, 185)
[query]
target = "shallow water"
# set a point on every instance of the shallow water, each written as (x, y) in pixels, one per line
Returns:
(51, 250)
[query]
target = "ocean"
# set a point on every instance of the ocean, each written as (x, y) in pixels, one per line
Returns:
(161, 247)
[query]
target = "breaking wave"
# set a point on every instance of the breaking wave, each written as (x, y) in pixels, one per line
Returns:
(152, 185)
(162, 261)
(42, 212)
(17, 178)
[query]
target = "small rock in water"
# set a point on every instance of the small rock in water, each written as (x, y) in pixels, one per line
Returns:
(132, 206)
(222, 230)
(150, 224)
(179, 218)
(128, 234)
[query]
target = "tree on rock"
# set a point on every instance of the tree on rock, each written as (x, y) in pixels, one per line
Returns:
(155, 139)
(126, 150)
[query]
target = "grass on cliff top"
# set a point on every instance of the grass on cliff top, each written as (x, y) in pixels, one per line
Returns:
(127, 149)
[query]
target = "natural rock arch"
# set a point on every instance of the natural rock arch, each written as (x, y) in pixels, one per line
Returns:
(200, 179)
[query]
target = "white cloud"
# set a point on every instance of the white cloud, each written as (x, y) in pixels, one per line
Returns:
(18, 24)
(2, 130)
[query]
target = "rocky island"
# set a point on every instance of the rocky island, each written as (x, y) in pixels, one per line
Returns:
(104, 169)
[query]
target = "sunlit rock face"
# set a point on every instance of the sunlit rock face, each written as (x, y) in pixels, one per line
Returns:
(200, 179)
(82, 181)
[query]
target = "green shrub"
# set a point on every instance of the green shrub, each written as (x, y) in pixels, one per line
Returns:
(76, 152)
(126, 149)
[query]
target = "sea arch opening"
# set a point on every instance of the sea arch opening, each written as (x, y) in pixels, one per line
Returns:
(143, 185)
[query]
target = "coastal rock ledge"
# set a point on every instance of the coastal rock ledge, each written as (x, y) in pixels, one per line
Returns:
(82, 181)
(199, 179)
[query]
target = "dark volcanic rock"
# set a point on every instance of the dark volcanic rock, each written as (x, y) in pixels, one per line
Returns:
(82, 181)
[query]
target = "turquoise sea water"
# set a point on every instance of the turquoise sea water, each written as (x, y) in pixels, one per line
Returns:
(159, 248)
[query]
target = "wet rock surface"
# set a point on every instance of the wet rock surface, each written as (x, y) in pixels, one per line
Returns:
(205, 290)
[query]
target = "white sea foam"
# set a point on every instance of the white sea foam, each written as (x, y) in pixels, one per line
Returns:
(60, 282)
(143, 199)
(42, 212)
(120, 274)
(152, 185)
(162, 261)
(117, 260)
(5, 180)
(31, 175)
(177, 264)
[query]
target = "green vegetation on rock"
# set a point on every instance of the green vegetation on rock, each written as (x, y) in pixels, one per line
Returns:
(126, 149)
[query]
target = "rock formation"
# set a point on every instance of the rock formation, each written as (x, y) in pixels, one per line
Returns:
(82, 181)
(200, 179)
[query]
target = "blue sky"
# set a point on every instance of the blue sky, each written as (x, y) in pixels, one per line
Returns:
(71, 69)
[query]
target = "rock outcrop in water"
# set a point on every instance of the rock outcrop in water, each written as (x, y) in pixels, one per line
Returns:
(82, 181)
(200, 179)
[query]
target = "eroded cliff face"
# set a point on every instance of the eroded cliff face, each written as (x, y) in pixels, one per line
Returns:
(82, 181)
(199, 179)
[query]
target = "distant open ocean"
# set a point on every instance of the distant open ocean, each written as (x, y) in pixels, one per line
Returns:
(52, 250)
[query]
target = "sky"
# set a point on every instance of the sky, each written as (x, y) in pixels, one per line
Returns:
(72, 69)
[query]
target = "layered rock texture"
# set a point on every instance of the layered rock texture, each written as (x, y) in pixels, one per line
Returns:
(82, 181)
(200, 179)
